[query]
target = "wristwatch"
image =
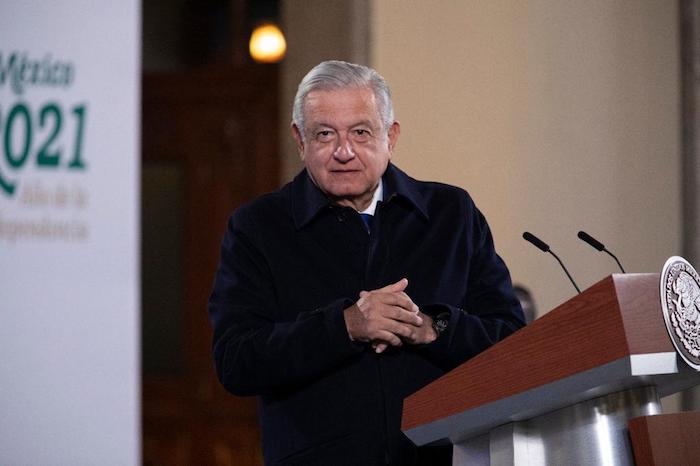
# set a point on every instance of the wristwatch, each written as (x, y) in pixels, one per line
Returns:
(441, 322)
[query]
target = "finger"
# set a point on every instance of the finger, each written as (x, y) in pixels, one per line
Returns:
(387, 337)
(394, 287)
(380, 348)
(403, 331)
(379, 344)
(403, 300)
(422, 337)
(393, 328)
(379, 300)
(399, 314)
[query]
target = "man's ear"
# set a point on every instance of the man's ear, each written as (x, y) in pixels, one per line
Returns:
(394, 132)
(296, 134)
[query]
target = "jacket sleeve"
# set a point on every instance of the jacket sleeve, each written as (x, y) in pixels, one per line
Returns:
(255, 352)
(490, 310)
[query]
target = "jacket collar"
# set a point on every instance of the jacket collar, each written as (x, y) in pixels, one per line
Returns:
(307, 200)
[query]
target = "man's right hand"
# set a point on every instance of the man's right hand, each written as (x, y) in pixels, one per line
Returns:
(383, 316)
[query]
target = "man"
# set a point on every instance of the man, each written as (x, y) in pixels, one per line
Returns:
(353, 286)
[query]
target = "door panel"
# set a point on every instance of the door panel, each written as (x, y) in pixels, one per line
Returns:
(209, 144)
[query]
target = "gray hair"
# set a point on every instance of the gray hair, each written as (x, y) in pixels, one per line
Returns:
(334, 75)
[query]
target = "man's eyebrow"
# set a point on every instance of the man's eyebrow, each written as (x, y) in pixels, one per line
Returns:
(362, 123)
(316, 126)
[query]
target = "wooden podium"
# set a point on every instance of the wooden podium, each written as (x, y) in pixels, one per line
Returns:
(561, 390)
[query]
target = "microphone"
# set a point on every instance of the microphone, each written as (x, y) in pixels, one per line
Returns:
(541, 245)
(544, 247)
(599, 246)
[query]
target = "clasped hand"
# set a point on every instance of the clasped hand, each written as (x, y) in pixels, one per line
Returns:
(388, 317)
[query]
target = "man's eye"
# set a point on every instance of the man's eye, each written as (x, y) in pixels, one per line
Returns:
(324, 135)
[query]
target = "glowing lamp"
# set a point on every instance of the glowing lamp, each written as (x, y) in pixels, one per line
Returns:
(267, 44)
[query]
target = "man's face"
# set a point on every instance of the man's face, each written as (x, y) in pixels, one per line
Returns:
(345, 147)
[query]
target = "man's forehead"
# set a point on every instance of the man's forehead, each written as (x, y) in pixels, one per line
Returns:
(356, 104)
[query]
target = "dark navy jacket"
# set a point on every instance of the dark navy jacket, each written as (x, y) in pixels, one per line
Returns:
(291, 262)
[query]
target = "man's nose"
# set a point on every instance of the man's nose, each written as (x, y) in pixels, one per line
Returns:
(344, 152)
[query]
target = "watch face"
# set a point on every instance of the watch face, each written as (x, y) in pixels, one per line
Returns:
(441, 325)
(440, 322)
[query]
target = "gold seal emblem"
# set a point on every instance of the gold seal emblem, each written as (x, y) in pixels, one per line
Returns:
(680, 303)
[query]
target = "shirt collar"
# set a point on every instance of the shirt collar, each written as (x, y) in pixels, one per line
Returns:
(376, 197)
(307, 200)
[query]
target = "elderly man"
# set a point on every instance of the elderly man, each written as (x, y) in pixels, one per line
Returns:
(353, 286)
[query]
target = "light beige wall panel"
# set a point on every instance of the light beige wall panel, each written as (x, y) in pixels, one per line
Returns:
(555, 115)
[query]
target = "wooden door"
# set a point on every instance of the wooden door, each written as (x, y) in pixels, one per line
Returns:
(209, 144)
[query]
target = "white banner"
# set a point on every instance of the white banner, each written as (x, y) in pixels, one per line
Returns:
(69, 233)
